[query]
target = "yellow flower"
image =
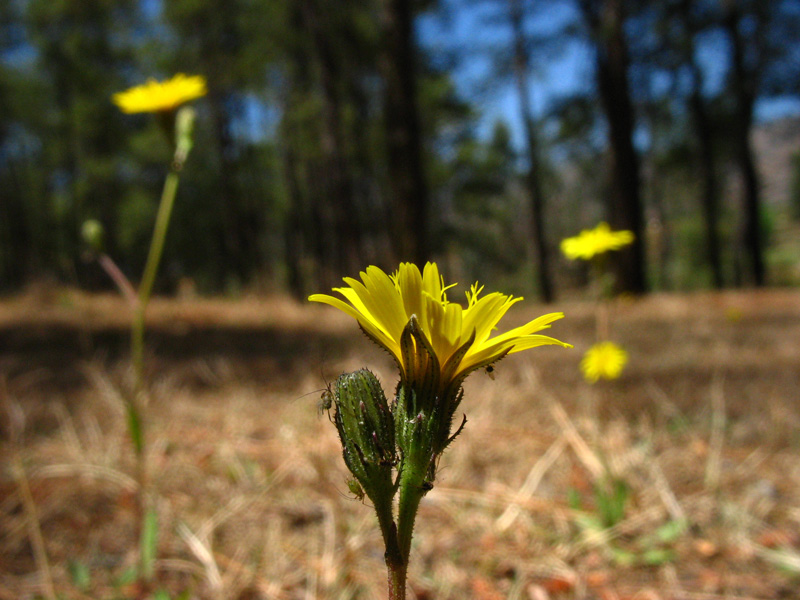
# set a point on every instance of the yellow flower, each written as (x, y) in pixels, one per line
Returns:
(605, 360)
(387, 307)
(155, 96)
(591, 242)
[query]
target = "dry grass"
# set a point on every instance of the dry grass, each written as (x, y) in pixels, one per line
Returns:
(704, 428)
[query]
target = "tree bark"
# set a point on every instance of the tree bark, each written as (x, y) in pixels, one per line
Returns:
(710, 194)
(744, 93)
(337, 184)
(533, 176)
(704, 135)
(407, 185)
(233, 243)
(606, 19)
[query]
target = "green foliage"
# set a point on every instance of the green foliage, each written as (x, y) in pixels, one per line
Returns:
(484, 229)
(134, 421)
(80, 575)
(611, 495)
(137, 212)
(127, 577)
(149, 543)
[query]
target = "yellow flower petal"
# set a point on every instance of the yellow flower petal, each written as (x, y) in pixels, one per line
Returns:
(409, 283)
(366, 323)
(431, 280)
(605, 360)
(484, 315)
(155, 96)
(383, 305)
(591, 242)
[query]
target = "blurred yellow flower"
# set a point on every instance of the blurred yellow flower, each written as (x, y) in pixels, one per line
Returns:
(591, 242)
(155, 96)
(458, 337)
(603, 360)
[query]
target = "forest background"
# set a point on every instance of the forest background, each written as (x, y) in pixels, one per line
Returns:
(335, 135)
(475, 132)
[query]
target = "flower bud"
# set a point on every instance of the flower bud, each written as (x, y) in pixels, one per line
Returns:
(366, 430)
(93, 235)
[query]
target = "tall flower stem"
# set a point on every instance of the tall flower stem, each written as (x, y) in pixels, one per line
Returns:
(137, 402)
(151, 268)
(397, 579)
(396, 565)
(601, 290)
(411, 494)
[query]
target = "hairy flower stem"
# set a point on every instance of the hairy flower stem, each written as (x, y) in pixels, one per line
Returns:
(397, 580)
(411, 493)
(396, 566)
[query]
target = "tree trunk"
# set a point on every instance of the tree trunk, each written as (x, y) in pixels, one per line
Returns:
(294, 234)
(346, 256)
(407, 185)
(704, 135)
(743, 120)
(606, 21)
(232, 245)
(710, 195)
(533, 176)
(15, 238)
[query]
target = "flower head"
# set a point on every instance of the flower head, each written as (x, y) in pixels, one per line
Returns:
(603, 360)
(409, 314)
(155, 96)
(591, 242)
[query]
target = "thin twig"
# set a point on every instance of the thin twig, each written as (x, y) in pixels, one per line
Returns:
(568, 429)
(204, 554)
(15, 425)
(665, 492)
(717, 436)
(528, 488)
(120, 280)
(34, 529)
(579, 445)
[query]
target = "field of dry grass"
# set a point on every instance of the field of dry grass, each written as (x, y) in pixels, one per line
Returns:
(702, 432)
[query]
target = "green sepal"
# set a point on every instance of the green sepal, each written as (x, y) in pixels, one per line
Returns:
(422, 370)
(452, 363)
(444, 438)
(416, 439)
(408, 370)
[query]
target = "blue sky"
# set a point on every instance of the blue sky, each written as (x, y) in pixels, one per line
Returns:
(478, 33)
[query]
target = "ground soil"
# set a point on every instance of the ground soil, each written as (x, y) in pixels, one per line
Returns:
(702, 431)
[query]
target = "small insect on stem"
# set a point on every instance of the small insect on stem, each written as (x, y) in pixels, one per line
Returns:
(325, 401)
(326, 398)
(356, 489)
(489, 370)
